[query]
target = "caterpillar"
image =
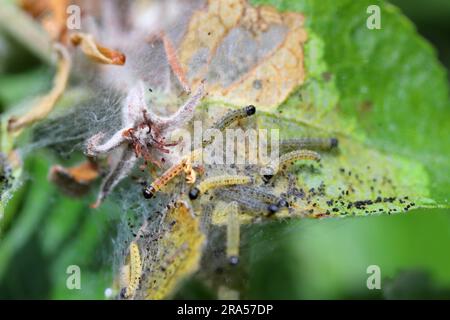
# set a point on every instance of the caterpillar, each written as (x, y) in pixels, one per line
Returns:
(158, 184)
(309, 143)
(167, 176)
(135, 271)
(259, 194)
(253, 205)
(229, 118)
(233, 233)
(184, 165)
(286, 160)
(217, 182)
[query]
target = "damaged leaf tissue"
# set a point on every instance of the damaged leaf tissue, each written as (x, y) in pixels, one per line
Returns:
(224, 150)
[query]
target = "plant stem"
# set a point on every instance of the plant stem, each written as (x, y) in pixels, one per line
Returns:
(25, 30)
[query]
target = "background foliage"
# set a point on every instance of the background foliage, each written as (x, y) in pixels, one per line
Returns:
(43, 232)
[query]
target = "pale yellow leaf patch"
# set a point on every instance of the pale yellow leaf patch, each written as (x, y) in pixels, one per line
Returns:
(170, 253)
(272, 78)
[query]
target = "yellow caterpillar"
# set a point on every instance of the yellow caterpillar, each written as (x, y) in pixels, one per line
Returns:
(233, 233)
(229, 118)
(184, 165)
(217, 182)
(288, 159)
(135, 271)
(167, 176)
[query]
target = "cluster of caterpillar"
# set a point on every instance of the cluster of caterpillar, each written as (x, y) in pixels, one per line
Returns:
(248, 190)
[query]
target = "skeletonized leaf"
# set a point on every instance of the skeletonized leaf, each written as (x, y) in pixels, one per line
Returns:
(248, 55)
(170, 253)
(362, 177)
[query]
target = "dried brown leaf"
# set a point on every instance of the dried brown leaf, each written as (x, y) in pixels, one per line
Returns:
(95, 51)
(74, 181)
(52, 15)
(47, 102)
(182, 242)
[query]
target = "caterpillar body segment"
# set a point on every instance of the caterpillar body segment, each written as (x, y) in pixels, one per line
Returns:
(255, 206)
(233, 233)
(134, 271)
(184, 166)
(233, 116)
(309, 143)
(289, 158)
(217, 182)
(124, 279)
(260, 194)
(163, 180)
(286, 160)
(228, 119)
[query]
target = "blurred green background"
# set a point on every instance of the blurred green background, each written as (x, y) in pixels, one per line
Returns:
(43, 232)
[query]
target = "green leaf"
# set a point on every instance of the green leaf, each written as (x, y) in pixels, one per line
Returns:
(14, 88)
(51, 232)
(328, 258)
(383, 94)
